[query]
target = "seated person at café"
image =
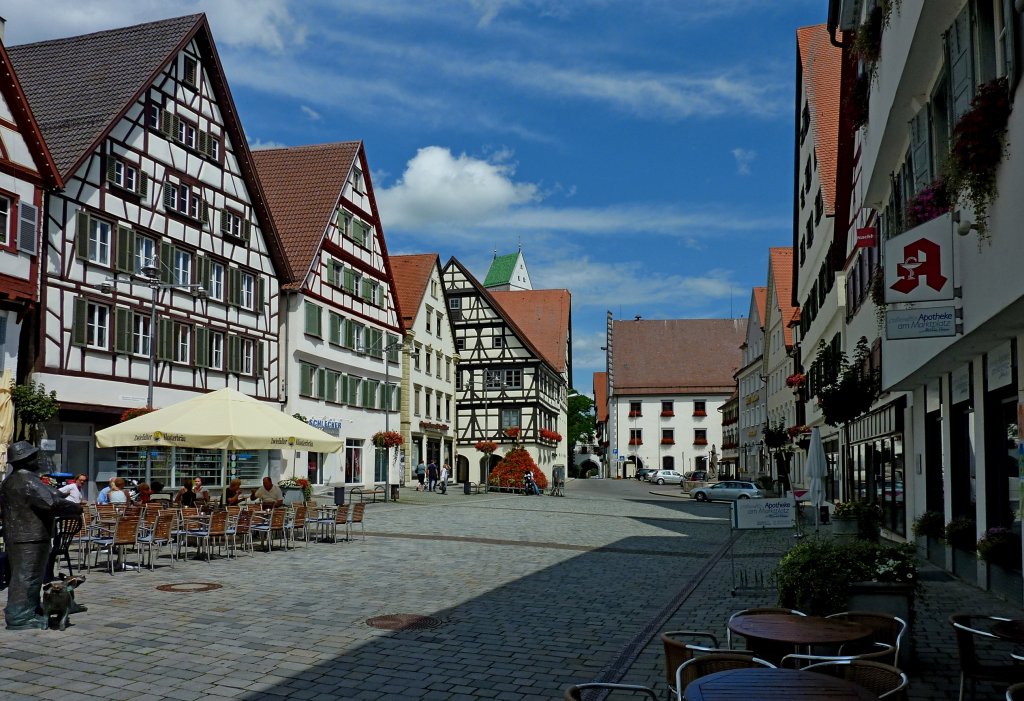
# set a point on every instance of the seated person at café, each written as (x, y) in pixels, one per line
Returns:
(117, 493)
(185, 496)
(145, 493)
(234, 493)
(72, 491)
(201, 492)
(269, 494)
(104, 496)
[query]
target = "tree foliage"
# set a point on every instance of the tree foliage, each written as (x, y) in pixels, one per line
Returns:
(581, 419)
(33, 406)
(849, 387)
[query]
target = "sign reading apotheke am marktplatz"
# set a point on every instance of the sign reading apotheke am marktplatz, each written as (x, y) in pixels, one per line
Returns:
(932, 322)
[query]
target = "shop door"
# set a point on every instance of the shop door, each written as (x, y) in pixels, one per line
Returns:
(314, 467)
(76, 457)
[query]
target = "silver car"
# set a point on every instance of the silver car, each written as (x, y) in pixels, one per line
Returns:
(727, 491)
(665, 477)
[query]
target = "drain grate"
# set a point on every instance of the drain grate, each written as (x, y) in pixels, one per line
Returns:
(189, 587)
(403, 621)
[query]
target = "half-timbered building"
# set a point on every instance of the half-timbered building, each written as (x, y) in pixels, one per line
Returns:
(428, 372)
(342, 336)
(26, 171)
(161, 264)
(515, 350)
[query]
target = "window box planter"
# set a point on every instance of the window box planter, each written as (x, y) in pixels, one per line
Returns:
(700, 441)
(668, 413)
(965, 565)
(1007, 583)
(635, 414)
(636, 441)
(700, 413)
(668, 441)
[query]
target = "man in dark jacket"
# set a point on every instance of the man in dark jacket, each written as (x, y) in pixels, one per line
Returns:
(28, 507)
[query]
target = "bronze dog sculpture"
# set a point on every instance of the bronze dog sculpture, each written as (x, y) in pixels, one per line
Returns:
(59, 600)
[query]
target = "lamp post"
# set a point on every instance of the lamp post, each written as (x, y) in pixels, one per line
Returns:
(150, 277)
(387, 410)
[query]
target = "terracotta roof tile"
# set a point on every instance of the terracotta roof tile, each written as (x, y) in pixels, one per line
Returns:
(761, 299)
(99, 74)
(822, 63)
(303, 185)
(601, 395)
(781, 262)
(544, 316)
(677, 356)
(412, 275)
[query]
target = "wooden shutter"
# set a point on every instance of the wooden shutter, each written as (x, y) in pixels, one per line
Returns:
(122, 330)
(334, 323)
(79, 322)
(398, 397)
(305, 380)
(364, 289)
(168, 191)
(350, 334)
(234, 353)
(920, 147)
(143, 184)
(961, 65)
(349, 281)
(204, 211)
(353, 391)
(343, 389)
(203, 271)
(259, 363)
(167, 123)
(261, 293)
(394, 348)
(331, 393)
(125, 254)
(111, 168)
(201, 142)
(165, 339)
(321, 383)
(246, 230)
(166, 262)
(202, 347)
(28, 228)
(359, 233)
(224, 221)
(82, 235)
(312, 325)
(234, 286)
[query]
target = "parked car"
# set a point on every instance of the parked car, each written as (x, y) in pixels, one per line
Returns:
(643, 472)
(665, 477)
(696, 476)
(727, 491)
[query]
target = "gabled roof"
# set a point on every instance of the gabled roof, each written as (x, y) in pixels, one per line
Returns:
(500, 272)
(18, 104)
(101, 75)
(303, 185)
(677, 356)
(544, 316)
(821, 65)
(761, 300)
(780, 260)
(601, 396)
(412, 275)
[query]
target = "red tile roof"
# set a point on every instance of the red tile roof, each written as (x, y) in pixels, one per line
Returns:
(781, 261)
(303, 185)
(761, 299)
(821, 63)
(28, 127)
(544, 316)
(601, 395)
(412, 275)
(677, 356)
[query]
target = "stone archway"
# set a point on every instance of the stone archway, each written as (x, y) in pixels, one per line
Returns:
(462, 469)
(634, 462)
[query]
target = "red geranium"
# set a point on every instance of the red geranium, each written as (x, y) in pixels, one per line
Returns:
(513, 466)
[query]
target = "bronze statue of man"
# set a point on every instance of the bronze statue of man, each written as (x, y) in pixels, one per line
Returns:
(29, 508)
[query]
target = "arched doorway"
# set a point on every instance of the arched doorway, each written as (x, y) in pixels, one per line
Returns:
(488, 463)
(632, 463)
(462, 469)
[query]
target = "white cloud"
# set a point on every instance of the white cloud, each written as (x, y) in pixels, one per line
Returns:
(440, 188)
(259, 145)
(311, 113)
(744, 157)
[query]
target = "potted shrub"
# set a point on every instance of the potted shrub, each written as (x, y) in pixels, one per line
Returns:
(961, 534)
(930, 527)
(856, 519)
(1000, 549)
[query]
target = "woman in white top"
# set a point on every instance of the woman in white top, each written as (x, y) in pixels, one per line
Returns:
(117, 494)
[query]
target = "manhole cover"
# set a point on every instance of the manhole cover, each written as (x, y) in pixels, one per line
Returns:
(189, 587)
(403, 621)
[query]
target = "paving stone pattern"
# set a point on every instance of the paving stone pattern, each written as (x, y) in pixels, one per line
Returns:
(533, 594)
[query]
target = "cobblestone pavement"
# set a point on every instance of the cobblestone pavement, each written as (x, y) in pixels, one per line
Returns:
(528, 595)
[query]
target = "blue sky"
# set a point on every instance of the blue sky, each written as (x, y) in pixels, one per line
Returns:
(641, 151)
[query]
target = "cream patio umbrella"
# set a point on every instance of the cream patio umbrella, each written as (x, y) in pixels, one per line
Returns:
(225, 419)
(817, 470)
(6, 416)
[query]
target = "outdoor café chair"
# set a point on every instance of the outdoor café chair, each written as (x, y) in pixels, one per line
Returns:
(887, 629)
(357, 517)
(159, 536)
(711, 663)
(124, 536)
(83, 539)
(242, 528)
(756, 612)
(340, 519)
(206, 534)
(884, 680)
(298, 522)
(881, 652)
(65, 530)
(968, 631)
(267, 529)
(677, 650)
(1015, 692)
(575, 691)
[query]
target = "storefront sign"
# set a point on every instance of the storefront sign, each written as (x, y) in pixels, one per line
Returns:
(867, 237)
(326, 424)
(1000, 367)
(960, 387)
(919, 263)
(920, 323)
(763, 513)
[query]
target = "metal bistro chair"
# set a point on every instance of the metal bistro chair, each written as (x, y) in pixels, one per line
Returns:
(298, 522)
(357, 517)
(274, 525)
(242, 528)
(757, 612)
(677, 650)
(882, 652)
(1015, 692)
(124, 536)
(884, 680)
(65, 530)
(208, 533)
(340, 519)
(972, 668)
(887, 629)
(575, 692)
(711, 663)
(159, 536)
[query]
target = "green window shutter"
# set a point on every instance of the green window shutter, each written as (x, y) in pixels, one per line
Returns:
(167, 122)
(202, 347)
(202, 139)
(168, 190)
(234, 355)
(359, 233)
(246, 230)
(125, 249)
(961, 67)
(353, 390)
(350, 281)
(332, 272)
(305, 380)
(143, 184)
(165, 339)
(364, 398)
(398, 398)
(331, 393)
(111, 167)
(334, 324)
(343, 389)
(312, 326)
(82, 235)
(223, 221)
(321, 383)
(364, 288)
(122, 330)
(166, 262)
(234, 286)
(78, 322)
(376, 343)
(261, 294)
(394, 348)
(350, 334)
(203, 271)
(259, 366)
(205, 211)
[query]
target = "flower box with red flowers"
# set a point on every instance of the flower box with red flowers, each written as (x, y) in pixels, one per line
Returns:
(668, 412)
(699, 412)
(486, 447)
(513, 432)
(548, 435)
(700, 441)
(796, 380)
(798, 430)
(387, 439)
(636, 441)
(668, 441)
(129, 414)
(635, 414)
(430, 426)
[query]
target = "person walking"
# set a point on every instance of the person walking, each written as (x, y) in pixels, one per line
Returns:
(445, 471)
(432, 476)
(421, 475)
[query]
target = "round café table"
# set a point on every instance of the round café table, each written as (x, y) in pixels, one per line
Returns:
(766, 684)
(774, 635)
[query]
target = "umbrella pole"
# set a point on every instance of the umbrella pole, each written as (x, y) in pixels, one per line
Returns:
(224, 476)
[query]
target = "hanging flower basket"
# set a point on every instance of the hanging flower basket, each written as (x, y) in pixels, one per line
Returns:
(513, 432)
(930, 202)
(796, 380)
(129, 414)
(387, 439)
(548, 435)
(798, 430)
(486, 447)
(850, 387)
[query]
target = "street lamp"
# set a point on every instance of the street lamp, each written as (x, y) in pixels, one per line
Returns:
(150, 276)
(395, 345)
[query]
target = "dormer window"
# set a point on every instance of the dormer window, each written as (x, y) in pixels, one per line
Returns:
(126, 176)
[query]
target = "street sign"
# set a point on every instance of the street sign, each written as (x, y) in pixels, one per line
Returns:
(615, 451)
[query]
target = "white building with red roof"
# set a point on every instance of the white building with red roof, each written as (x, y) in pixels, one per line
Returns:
(751, 388)
(777, 360)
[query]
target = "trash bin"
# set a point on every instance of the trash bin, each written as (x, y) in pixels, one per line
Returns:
(394, 492)
(339, 496)
(466, 489)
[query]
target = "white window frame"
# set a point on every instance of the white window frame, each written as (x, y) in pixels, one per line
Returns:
(126, 175)
(247, 291)
(142, 335)
(97, 329)
(510, 413)
(247, 358)
(183, 343)
(215, 290)
(182, 267)
(234, 227)
(437, 326)
(145, 252)
(5, 220)
(100, 232)
(187, 133)
(497, 341)
(216, 356)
